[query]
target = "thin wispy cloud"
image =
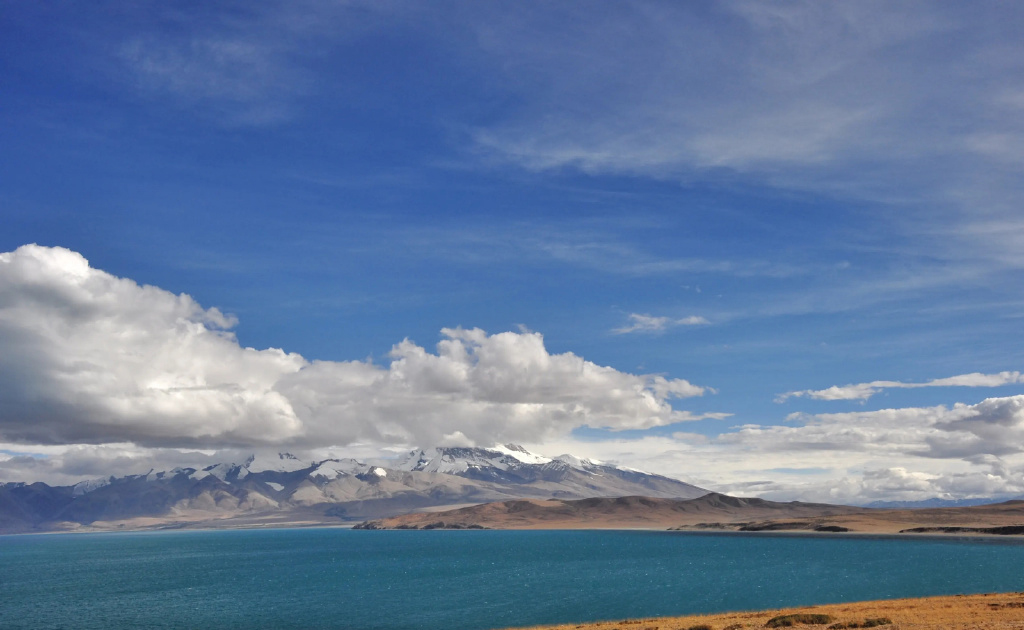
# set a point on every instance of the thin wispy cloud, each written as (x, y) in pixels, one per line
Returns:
(639, 323)
(814, 95)
(240, 66)
(241, 79)
(801, 96)
(864, 391)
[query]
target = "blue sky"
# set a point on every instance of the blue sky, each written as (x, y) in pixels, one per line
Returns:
(755, 198)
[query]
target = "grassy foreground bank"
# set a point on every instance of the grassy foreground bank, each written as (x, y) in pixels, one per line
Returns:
(997, 611)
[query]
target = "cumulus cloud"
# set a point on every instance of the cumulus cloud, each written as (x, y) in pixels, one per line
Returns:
(86, 357)
(863, 391)
(652, 324)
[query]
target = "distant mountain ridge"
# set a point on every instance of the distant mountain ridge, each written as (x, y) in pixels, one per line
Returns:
(716, 512)
(279, 490)
(938, 503)
(619, 512)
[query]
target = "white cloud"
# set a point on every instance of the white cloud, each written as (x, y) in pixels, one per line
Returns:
(863, 391)
(86, 357)
(652, 324)
(90, 357)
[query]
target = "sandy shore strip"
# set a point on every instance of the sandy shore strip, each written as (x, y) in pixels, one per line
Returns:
(994, 611)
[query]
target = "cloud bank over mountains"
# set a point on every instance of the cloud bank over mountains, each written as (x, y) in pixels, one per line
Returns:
(90, 358)
(910, 453)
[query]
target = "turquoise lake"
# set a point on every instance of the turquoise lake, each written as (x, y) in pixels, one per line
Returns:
(464, 580)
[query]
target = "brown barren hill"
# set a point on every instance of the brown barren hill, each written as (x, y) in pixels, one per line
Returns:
(715, 512)
(1002, 611)
(612, 513)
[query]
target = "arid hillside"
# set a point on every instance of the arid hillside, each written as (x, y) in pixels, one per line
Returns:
(714, 512)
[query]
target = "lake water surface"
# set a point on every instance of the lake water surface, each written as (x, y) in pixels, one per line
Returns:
(465, 580)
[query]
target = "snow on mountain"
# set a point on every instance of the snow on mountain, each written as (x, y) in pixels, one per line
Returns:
(255, 463)
(458, 459)
(89, 485)
(633, 470)
(334, 468)
(224, 470)
(282, 462)
(501, 464)
(520, 453)
(283, 487)
(576, 462)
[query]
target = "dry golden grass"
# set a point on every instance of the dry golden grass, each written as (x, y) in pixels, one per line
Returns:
(999, 611)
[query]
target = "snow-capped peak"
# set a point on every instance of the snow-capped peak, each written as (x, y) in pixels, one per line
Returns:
(520, 453)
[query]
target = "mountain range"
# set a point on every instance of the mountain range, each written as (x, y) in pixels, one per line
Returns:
(285, 490)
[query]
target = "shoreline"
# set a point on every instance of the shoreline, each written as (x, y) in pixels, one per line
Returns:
(793, 533)
(985, 611)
